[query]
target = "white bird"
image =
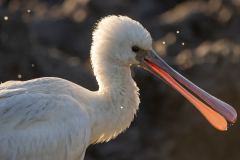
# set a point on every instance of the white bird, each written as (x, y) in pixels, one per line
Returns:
(54, 119)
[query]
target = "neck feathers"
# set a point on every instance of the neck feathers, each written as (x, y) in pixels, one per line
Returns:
(118, 94)
(120, 100)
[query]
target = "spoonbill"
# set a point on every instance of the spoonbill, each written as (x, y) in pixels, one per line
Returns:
(51, 118)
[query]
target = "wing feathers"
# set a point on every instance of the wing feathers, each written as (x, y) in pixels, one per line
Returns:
(42, 126)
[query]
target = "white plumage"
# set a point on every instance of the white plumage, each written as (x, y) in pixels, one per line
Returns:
(54, 119)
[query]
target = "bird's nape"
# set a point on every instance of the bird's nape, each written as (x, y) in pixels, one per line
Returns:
(217, 112)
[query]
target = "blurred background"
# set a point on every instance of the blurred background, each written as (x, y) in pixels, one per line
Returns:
(200, 38)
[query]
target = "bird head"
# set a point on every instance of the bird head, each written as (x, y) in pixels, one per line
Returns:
(122, 41)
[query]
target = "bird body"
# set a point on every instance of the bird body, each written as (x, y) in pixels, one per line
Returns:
(51, 118)
(54, 119)
(41, 120)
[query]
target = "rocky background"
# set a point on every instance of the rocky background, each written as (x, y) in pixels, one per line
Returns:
(52, 38)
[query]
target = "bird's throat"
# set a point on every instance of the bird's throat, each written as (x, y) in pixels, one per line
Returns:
(120, 100)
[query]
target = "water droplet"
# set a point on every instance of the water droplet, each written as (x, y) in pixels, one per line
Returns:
(19, 76)
(229, 125)
(5, 18)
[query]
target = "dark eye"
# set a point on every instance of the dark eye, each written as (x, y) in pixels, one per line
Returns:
(135, 49)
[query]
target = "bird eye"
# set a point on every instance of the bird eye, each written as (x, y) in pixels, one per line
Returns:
(135, 49)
